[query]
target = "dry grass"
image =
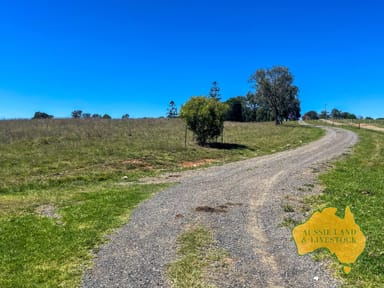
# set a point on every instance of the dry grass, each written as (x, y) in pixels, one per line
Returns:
(47, 153)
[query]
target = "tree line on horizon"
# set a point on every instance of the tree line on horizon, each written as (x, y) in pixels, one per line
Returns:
(333, 114)
(77, 114)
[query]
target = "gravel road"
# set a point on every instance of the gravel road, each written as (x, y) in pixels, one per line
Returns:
(254, 193)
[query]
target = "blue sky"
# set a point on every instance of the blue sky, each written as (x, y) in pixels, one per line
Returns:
(135, 56)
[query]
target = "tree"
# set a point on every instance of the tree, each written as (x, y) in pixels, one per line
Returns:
(336, 114)
(96, 116)
(205, 117)
(311, 115)
(172, 110)
(347, 115)
(86, 115)
(125, 116)
(293, 110)
(253, 108)
(323, 115)
(77, 114)
(42, 115)
(214, 92)
(236, 106)
(106, 116)
(274, 87)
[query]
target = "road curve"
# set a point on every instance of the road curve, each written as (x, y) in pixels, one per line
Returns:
(254, 192)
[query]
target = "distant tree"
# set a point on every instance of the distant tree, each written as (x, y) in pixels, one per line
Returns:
(215, 91)
(205, 117)
(275, 90)
(368, 118)
(347, 115)
(76, 114)
(125, 116)
(236, 107)
(106, 116)
(96, 116)
(335, 113)
(323, 115)
(311, 115)
(86, 115)
(42, 115)
(251, 107)
(293, 110)
(172, 110)
(263, 114)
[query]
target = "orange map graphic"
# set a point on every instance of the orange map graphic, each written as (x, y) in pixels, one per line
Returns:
(324, 229)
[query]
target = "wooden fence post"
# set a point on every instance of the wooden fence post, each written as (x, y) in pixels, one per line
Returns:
(185, 138)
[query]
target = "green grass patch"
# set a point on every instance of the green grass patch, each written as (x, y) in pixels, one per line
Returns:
(59, 194)
(197, 252)
(42, 251)
(288, 208)
(289, 222)
(358, 181)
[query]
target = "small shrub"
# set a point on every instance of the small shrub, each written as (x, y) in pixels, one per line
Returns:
(205, 117)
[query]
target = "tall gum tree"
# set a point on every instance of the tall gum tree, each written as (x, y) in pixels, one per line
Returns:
(275, 89)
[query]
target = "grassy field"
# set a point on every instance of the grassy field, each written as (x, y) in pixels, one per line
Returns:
(61, 192)
(38, 154)
(358, 181)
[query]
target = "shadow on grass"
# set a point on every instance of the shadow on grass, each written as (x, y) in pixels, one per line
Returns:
(228, 146)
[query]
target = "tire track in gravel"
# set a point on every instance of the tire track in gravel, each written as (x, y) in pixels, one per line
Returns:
(260, 237)
(253, 192)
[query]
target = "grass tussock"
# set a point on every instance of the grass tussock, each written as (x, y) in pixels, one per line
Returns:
(197, 252)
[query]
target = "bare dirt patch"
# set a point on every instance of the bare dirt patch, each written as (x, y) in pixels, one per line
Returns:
(194, 164)
(371, 127)
(48, 211)
(137, 163)
(217, 209)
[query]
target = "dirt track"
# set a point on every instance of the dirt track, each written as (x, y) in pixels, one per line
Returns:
(361, 125)
(254, 192)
